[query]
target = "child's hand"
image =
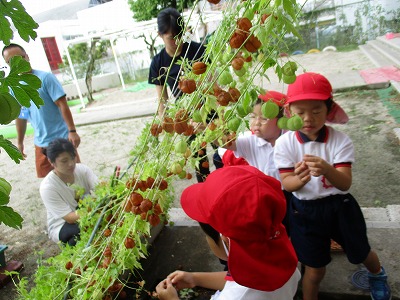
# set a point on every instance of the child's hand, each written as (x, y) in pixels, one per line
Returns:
(166, 290)
(181, 280)
(302, 171)
(316, 165)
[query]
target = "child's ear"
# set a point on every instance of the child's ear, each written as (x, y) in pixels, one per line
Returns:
(286, 111)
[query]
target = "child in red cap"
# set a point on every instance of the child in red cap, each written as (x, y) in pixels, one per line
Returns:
(315, 165)
(246, 207)
(258, 149)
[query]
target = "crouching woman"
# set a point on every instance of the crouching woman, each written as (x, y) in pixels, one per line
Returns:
(61, 190)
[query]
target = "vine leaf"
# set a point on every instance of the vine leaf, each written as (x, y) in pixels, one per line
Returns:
(23, 22)
(23, 84)
(11, 150)
(8, 216)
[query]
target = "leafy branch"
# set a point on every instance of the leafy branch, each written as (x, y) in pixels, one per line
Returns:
(13, 10)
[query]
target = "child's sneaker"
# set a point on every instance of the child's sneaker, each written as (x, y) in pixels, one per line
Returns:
(379, 287)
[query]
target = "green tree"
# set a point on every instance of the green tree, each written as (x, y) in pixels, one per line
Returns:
(84, 55)
(13, 13)
(144, 10)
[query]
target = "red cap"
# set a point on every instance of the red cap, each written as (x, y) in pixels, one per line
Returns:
(313, 86)
(248, 207)
(229, 159)
(277, 97)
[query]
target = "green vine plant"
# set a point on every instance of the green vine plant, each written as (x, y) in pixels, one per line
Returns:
(23, 86)
(117, 220)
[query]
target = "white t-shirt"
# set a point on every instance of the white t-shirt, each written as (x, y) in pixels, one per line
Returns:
(331, 145)
(258, 153)
(59, 198)
(235, 291)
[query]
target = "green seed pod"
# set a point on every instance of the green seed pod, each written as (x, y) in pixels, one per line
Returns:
(181, 146)
(241, 72)
(288, 79)
(234, 124)
(241, 111)
(289, 68)
(270, 109)
(282, 122)
(295, 123)
(229, 114)
(225, 78)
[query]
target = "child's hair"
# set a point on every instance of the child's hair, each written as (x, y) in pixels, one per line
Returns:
(12, 46)
(170, 20)
(210, 231)
(58, 146)
(329, 104)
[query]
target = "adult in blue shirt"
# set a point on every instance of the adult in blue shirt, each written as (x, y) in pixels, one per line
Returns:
(52, 120)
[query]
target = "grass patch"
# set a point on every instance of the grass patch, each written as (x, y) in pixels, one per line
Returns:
(390, 100)
(10, 132)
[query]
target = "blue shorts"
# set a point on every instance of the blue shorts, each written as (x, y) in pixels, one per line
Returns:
(313, 223)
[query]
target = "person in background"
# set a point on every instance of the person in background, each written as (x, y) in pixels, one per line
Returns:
(246, 207)
(171, 30)
(52, 120)
(315, 165)
(61, 190)
(164, 68)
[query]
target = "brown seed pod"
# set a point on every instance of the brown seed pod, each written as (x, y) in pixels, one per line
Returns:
(205, 164)
(224, 98)
(248, 58)
(128, 206)
(217, 90)
(181, 114)
(154, 220)
(244, 24)
(189, 131)
(136, 210)
(163, 185)
(146, 205)
(150, 182)
(214, 1)
(264, 17)
(237, 63)
(212, 126)
(107, 251)
(187, 86)
(199, 68)
(252, 44)
(237, 40)
(168, 125)
(155, 129)
(136, 199)
(180, 126)
(157, 209)
(234, 93)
